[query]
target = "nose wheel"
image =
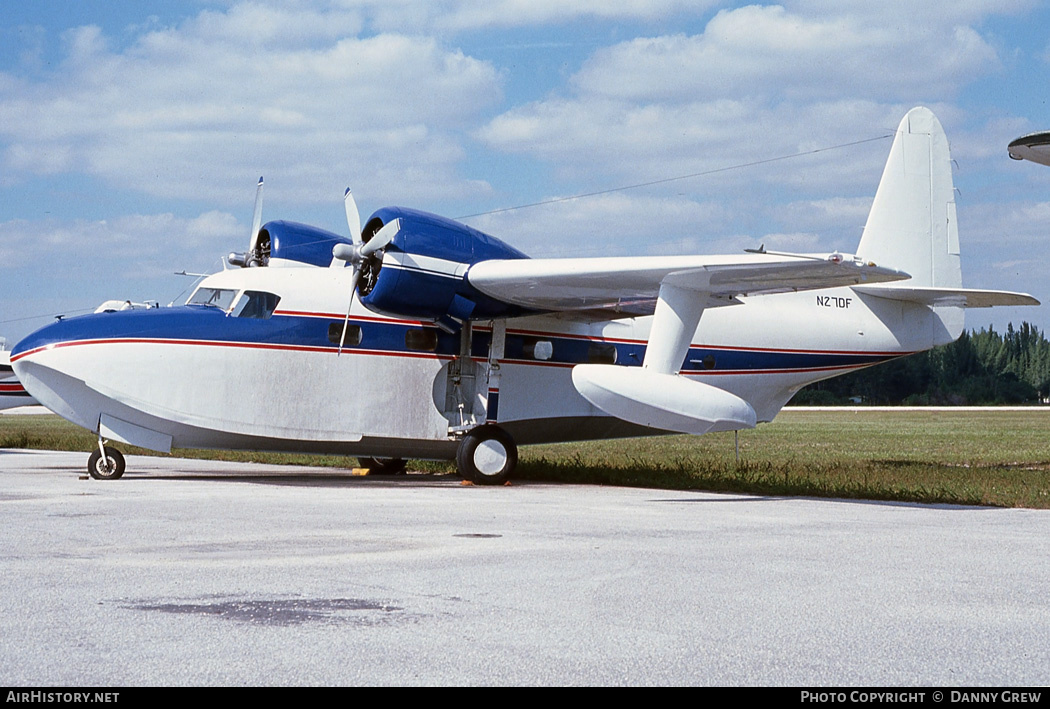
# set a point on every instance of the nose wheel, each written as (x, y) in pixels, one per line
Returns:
(108, 467)
(487, 455)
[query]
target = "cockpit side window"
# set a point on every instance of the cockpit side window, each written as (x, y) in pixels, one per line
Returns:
(220, 298)
(256, 304)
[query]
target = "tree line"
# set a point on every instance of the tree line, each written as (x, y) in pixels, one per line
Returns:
(980, 368)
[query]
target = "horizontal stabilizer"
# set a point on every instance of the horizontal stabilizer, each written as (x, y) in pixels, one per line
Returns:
(667, 402)
(632, 284)
(956, 297)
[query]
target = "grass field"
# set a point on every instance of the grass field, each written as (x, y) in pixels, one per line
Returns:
(988, 457)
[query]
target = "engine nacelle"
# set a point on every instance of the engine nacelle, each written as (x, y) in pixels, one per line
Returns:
(289, 241)
(423, 271)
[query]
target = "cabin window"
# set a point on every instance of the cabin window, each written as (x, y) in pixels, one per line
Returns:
(601, 353)
(221, 298)
(533, 348)
(353, 334)
(256, 304)
(421, 340)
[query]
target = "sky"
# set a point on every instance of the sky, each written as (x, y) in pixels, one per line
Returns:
(132, 133)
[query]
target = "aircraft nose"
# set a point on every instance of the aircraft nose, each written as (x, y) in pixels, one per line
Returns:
(46, 337)
(41, 381)
(54, 375)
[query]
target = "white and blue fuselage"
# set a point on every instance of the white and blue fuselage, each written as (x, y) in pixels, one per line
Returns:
(205, 376)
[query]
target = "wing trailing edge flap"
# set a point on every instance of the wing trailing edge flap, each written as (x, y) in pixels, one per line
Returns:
(957, 297)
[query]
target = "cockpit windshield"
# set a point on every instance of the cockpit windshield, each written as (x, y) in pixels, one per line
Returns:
(255, 304)
(221, 298)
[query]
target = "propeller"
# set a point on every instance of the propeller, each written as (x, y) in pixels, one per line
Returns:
(353, 217)
(251, 256)
(253, 242)
(361, 254)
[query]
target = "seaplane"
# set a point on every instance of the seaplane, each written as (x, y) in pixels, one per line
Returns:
(417, 336)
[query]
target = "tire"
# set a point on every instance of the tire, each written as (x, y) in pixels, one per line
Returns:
(101, 471)
(487, 456)
(383, 466)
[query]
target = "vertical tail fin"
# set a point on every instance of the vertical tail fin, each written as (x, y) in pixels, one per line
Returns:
(912, 224)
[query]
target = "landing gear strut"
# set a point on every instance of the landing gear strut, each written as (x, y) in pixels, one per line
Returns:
(106, 463)
(487, 455)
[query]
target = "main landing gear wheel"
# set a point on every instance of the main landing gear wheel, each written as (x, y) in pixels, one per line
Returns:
(487, 455)
(383, 466)
(109, 469)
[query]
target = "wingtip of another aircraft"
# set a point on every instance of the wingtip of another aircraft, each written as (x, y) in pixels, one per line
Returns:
(1034, 147)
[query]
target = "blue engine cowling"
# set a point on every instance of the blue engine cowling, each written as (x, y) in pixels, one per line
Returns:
(298, 242)
(423, 269)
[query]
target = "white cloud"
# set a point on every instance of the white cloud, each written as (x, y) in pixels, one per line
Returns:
(771, 52)
(618, 224)
(190, 111)
(795, 242)
(1018, 222)
(70, 266)
(1004, 247)
(280, 23)
(470, 15)
(909, 12)
(473, 14)
(145, 245)
(628, 223)
(444, 16)
(984, 145)
(632, 224)
(729, 143)
(840, 219)
(758, 82)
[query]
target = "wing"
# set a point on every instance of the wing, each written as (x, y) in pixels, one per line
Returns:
(676, 290)
(632, 285)
(1034, 147)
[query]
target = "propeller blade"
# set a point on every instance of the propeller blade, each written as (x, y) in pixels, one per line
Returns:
(256, 217)
(382, 238)
(353, 217)
(346, 321)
